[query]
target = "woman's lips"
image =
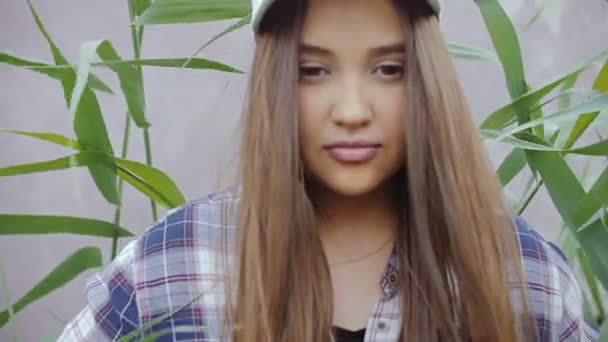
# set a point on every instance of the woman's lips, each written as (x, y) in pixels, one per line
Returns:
(353, 154)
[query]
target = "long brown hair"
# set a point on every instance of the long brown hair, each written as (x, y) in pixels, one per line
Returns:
(461, 272)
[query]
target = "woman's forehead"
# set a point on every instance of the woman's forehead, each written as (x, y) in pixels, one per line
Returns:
(363, 23)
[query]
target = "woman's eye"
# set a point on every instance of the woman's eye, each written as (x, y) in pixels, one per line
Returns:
(392, 71)
(312, 71)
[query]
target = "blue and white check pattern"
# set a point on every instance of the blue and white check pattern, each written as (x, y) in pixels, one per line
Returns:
(179, 266)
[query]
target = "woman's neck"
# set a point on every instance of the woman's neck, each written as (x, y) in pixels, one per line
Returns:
(350, 225)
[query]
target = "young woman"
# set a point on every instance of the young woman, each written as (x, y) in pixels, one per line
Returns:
(366, 208)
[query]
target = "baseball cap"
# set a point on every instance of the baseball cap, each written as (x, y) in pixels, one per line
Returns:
(260, 7)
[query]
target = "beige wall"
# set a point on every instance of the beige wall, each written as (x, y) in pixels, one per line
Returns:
(194, 115)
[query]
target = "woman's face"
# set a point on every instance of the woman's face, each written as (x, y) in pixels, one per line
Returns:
(352, 94)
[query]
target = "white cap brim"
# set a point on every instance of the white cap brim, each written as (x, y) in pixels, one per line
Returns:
(260, 7)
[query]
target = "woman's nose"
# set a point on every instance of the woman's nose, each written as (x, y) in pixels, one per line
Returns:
(351, 108)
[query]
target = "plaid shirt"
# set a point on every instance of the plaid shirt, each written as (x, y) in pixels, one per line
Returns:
(173, 268)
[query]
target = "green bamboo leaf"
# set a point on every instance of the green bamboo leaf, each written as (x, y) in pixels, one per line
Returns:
(85, 158)
(591, 281)
(130, 82)
(506, 43)
(189, 63)
(156, 335)
(604, 332)
(597, 149)
(519, 141)
(88, 122)
(192, 11)
(561, 183)
(69, 77)
(78, 262)
(593, 201)
(525, 141)
(588, 314)
(51, 71)
(566, 192)
(50, 137)
(57, 55)
(91, 129)
(600, 84)
(97, 84)
(565, 96)
(6, 294)
(240, 23)
(536, 15)
(104, 177)
(136, 8)
(594, 104)
(138, 332)
(139, 6)
(40, 225)
(565, 101)
(194, 63)
(568, 242)
(89, 125)
(474, 54)
(152, 181)
(511, 166)
(68, 81)
(143, 187)
(20, 62)
(593, 240)
(531, 189)
(507, 113)
(536, 113)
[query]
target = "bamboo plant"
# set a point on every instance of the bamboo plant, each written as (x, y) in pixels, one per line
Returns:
(541, 139)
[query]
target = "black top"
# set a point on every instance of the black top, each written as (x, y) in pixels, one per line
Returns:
(344, 335)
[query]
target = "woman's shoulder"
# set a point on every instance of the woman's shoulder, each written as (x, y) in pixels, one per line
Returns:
(166, 277)
(183, 261)
(554, 293)
(202, 222)
(534, 248)
(190, 240)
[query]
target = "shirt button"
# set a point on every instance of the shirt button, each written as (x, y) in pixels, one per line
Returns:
(392, 279)
(381, 325)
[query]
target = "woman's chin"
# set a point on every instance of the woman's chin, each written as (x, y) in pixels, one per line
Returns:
(351, 185)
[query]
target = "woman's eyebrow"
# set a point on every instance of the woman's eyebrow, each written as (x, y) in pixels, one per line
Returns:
(306, 48)
(387, 49)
